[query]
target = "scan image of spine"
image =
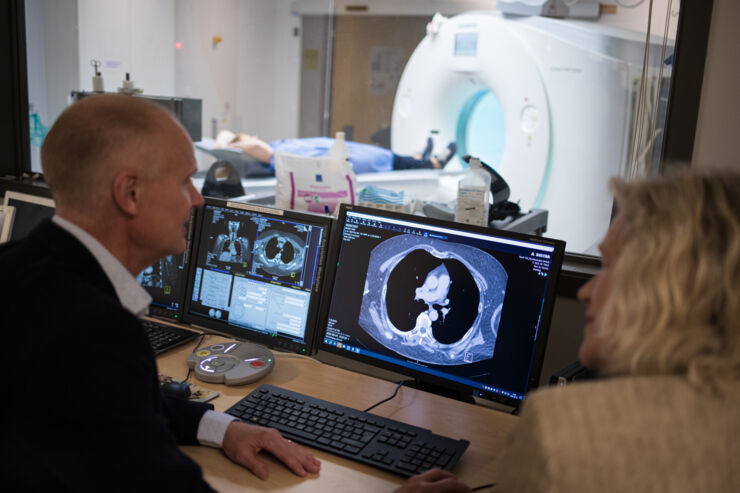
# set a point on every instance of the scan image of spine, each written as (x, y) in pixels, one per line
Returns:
(232, 248)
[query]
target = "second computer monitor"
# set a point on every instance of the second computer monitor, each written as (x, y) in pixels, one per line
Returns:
(30, 211)
(462, 308)
(166, 279)
(256, 273)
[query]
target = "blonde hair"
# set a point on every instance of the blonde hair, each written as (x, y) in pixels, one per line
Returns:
(674, 304)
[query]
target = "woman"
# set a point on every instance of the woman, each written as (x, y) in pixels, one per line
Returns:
(663, 331)
(663, 324)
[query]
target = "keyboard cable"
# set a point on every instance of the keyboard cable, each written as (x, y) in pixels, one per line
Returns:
(398, 387)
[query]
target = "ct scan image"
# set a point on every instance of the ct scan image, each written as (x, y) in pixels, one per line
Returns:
(231, 246)
(280, 252)
(161, 275)
(433, 301)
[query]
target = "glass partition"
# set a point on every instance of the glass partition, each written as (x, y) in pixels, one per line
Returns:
(556, 96)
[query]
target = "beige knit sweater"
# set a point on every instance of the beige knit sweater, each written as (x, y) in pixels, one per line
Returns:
(625, 434)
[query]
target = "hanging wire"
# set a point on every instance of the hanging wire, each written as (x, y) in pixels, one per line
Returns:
(634, 168)
(654, 131)
(648, 110)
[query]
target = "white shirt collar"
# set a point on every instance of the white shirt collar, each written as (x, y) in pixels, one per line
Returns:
(133, 297)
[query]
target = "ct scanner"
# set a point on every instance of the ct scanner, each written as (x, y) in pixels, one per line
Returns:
(547, 102)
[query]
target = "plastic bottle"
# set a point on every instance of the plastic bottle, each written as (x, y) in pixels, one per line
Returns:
(338, 149)
(473, 195)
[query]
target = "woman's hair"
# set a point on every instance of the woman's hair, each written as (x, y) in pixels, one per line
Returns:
(674, 306)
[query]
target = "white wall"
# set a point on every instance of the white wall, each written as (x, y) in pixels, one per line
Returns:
(286, 74)
(249, 82)
(52, 54)
(718, 125)
(36, 54)
(269, 69)
(134, 36)
(203, 69)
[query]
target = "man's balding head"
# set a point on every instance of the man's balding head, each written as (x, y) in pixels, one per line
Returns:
(96, 138)
(120, 168)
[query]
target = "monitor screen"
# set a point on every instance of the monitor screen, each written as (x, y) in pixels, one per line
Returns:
(256, 273)
(165, 281)
(30, 210)
(460, 307)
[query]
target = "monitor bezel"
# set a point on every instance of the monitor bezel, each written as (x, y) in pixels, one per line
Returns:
(427, 380)
(317, 297)
(28, 198)
(8, 212)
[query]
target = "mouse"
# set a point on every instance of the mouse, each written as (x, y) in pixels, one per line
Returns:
(179, 390)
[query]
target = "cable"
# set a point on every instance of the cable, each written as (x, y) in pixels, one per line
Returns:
(389, 398)
(655, 131)
(641, 103)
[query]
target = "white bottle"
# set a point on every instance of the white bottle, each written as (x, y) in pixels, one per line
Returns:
(338, 149)
(473, 193)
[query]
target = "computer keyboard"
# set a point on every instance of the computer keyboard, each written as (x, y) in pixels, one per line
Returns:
(163, 337)
(380, 442)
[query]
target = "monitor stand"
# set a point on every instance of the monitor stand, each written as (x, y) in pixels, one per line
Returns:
(458, 395)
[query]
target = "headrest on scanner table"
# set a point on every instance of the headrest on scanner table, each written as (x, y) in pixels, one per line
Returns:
(222, 181)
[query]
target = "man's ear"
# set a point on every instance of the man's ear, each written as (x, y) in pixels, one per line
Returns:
(127, 192)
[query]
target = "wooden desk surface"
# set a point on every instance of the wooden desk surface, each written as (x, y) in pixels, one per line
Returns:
(486, 429)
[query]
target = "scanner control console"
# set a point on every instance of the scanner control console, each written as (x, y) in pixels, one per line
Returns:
(232, 363)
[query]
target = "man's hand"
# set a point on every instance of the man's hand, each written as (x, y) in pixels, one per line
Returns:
(242, 443)
(434, 481)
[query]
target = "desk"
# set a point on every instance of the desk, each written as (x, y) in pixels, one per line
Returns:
(486, 429)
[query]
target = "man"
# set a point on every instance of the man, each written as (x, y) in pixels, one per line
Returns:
(87, 413)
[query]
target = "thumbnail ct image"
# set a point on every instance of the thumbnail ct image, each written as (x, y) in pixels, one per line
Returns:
(280, 252)
(232, 247)
(160, 275)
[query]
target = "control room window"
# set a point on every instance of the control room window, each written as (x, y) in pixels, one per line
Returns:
(555, 96)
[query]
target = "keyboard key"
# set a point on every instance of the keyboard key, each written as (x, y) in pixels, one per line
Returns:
(354, 443)
(406, 467)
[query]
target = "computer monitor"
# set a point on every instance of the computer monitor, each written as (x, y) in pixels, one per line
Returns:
(166, 280)
(464, 309)
(30, 210)
(256, 273)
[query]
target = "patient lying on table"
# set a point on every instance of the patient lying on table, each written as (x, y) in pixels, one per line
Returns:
(365, 158)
